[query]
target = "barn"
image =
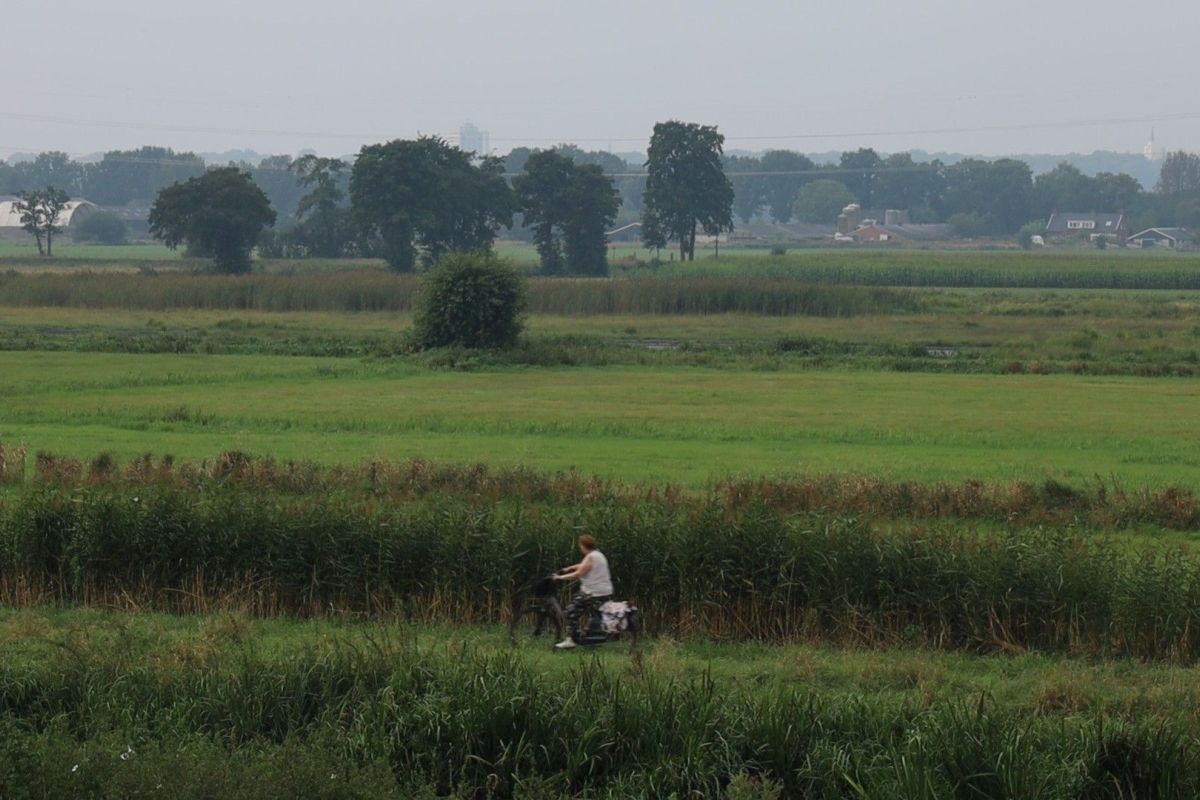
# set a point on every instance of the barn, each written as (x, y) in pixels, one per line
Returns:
(1172, 238)
(10, 218)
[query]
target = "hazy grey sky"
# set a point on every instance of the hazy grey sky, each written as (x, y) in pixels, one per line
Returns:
(982, 77)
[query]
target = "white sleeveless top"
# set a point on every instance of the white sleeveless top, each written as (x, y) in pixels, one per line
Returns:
(598, 581)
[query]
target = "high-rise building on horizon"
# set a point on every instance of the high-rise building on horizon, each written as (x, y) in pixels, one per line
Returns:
(473, 140)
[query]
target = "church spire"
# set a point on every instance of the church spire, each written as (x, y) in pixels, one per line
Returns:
(1151, 151)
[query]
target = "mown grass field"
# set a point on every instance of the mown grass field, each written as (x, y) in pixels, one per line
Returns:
(686, 425)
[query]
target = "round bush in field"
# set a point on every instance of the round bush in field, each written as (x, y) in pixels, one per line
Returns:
(470, 300)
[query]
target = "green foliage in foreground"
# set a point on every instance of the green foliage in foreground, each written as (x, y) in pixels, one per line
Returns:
(118, 709)
(751, 561)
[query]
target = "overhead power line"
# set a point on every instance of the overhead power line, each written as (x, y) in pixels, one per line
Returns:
(794, 136)
(831, 170)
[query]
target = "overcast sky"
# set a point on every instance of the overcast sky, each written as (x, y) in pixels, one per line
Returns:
(992, 77)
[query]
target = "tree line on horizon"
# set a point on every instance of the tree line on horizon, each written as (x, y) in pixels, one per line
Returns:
(411, 199)
(414, 201)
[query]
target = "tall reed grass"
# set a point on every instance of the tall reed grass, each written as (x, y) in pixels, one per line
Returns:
(376, 290)
(925, 268)
(758, 561)
(395, 721)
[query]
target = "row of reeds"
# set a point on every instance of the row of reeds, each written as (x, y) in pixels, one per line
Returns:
(961, 269)
(377, 290)
(722, 563)
(395, 721)
(1096, 504)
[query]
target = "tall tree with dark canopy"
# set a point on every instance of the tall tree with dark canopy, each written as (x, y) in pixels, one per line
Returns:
(541, 192)
(686, 187)
(999, 192)
(821, 201)
(425, 193)
(221, 212)
(784, 174)
(1065, 188)
(906, 184)
(279, 183)
(323, 221)
(570, 206)
(592, 203)
(748, 187)
(1117, 191)
(123, 176)
(53, 168)
(860, 173)
(1180, 173)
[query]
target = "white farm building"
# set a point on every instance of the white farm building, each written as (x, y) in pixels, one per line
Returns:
(10, 219)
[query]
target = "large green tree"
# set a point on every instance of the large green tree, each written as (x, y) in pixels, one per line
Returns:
(221, 212)
(1180, 173)
(123, 176)
(570, 206)
(1067, 188)
(686, 187)
(821, 201)
(48, 169)
(748, 197)
(859, 170)
(427, 194)
(592, 202)
(999, 192)
(784, 174)
(541, 191)
(323, 222)
(904, 183)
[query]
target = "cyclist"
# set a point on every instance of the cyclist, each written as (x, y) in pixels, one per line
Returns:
(595, 587)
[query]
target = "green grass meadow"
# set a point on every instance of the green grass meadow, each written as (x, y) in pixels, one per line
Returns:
(684, 425)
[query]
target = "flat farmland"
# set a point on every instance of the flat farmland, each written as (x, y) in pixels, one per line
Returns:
(638, 423)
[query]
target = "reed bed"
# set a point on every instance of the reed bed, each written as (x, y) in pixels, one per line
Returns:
(216, 718)
(376, 290)
(924, 268)
(1097, 505)
(746, 561)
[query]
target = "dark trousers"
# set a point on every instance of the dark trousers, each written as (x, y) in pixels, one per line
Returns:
(583, 605)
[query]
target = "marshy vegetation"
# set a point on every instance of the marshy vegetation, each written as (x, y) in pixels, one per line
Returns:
(110, 706)
(1002, 604)
(804, 560)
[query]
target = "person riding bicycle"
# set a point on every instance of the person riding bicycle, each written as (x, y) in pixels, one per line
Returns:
(595, 587)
